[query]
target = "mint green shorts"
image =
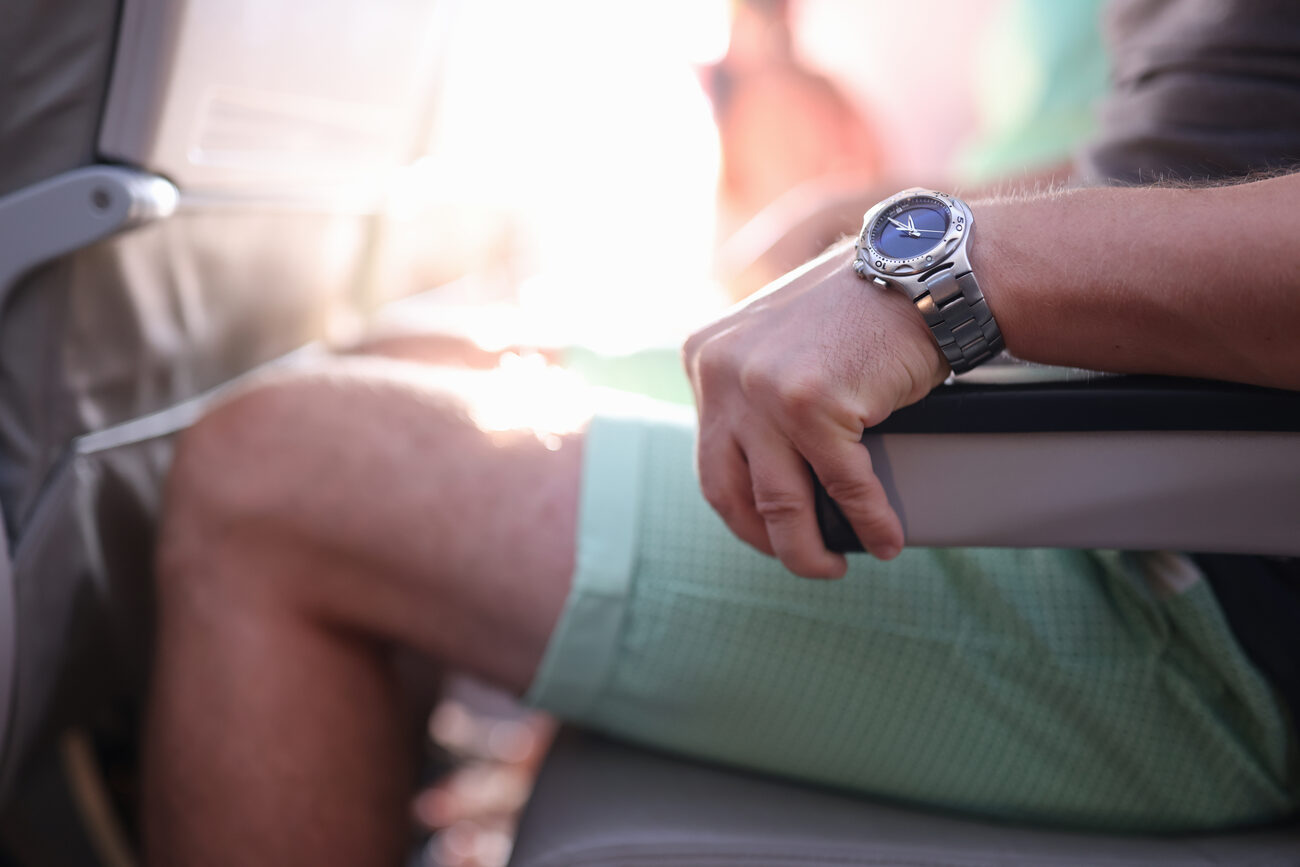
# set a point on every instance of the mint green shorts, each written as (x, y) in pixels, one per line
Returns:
(1070, 688)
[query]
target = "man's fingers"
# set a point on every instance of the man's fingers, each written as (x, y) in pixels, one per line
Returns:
(783, 498)
(845, 471)
(725, 483)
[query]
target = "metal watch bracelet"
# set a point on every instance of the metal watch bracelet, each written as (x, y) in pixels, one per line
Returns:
(959, 319)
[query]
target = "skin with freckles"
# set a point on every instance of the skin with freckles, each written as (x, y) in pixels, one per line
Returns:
(1184, 282)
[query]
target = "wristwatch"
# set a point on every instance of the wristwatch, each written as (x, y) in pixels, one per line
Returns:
(915, 241)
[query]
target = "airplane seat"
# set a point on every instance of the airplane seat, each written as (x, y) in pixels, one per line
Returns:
(169, 221)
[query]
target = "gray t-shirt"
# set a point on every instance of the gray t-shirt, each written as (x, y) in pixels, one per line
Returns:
(1201, 89)
(1204, 90)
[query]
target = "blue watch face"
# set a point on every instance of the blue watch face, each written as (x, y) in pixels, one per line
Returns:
(910, 228)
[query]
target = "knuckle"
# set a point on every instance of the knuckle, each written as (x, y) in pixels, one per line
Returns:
(875, 529)
(850, 490)
(692, 346)
(713, 364)
(797, 391)
(755, 381)
(760, 379)
(802, 395)
(709, 366)
(776, 505)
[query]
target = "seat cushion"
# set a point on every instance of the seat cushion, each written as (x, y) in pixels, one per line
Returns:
(602, 804)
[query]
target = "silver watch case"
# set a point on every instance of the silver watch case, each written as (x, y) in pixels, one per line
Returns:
(906, 274)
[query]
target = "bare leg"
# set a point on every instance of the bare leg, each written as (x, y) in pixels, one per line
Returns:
(314, 526)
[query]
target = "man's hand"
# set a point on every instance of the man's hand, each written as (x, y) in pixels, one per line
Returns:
(790, 380)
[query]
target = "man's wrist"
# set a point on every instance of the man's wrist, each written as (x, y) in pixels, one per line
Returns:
(996, 264)
(892, 323)
(916, 242)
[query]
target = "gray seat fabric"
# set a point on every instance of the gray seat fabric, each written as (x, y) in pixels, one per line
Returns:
(602, 804)
(54, 64)
(103, 349)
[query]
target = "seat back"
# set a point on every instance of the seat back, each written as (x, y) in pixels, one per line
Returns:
(194, 186)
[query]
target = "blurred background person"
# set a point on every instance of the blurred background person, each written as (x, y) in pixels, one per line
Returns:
(1036, 73)
(780, 123)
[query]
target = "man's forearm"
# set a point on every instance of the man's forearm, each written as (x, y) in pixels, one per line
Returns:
(1185, 282)
(1191, 282)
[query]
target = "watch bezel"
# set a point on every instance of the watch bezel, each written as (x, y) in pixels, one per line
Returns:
(871, 259)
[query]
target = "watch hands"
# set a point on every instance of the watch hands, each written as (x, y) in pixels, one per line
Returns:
(916, 233)
(910, 228)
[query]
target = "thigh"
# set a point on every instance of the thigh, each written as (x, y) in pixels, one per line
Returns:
(1043, 685)
(372, 495)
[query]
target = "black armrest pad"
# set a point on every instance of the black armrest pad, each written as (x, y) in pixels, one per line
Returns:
(1113, 403)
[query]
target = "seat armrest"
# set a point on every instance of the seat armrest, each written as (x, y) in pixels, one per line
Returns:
(1143, 463)
(1102, 403)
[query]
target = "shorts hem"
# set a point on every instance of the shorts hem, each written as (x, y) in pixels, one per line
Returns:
(580, 657)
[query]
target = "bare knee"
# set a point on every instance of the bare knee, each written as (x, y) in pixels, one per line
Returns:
(227, 479)
(285, 470)
(371, 500)
(224, 469)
